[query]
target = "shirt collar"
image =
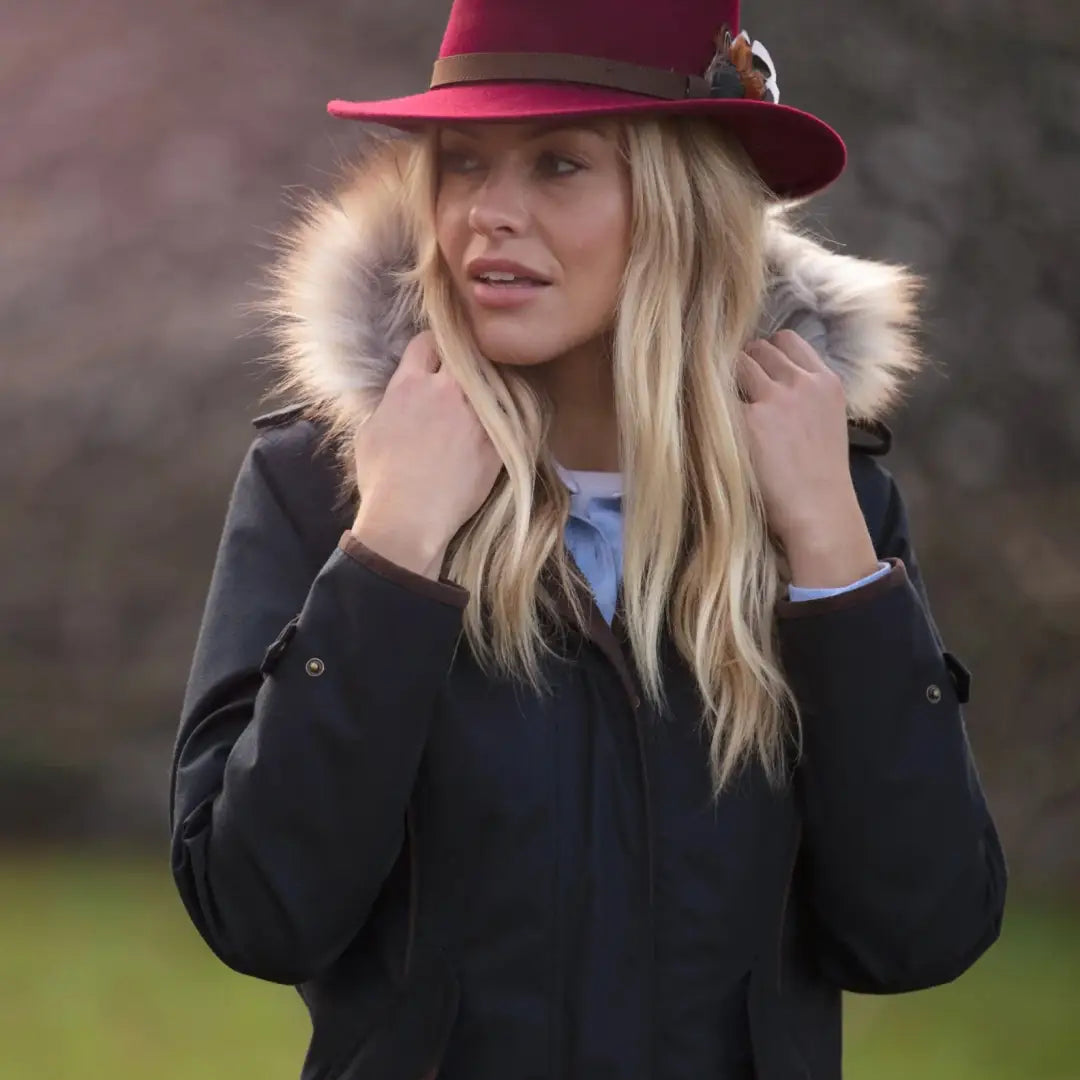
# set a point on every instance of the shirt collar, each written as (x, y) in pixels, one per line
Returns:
(589, 483)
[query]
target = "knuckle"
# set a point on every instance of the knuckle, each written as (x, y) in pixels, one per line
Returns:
(446, 384)
(832, 380)
(421, 346)
(836, 394)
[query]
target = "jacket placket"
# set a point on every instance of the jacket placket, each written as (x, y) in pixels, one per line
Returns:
(613, 642)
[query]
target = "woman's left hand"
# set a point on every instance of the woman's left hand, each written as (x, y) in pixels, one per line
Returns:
(796, 420)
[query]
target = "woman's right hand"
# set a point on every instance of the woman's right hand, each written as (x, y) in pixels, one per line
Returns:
(424, 462)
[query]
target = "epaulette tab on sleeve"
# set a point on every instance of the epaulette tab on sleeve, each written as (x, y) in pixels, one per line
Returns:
(278, 417)
(870, 436)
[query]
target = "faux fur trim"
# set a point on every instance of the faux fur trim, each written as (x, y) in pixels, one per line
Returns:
(340, 327)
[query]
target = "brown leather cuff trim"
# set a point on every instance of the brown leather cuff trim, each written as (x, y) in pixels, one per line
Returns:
(443, 589)
(796, 609)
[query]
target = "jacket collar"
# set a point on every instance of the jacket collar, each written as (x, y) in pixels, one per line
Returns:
(340, 325)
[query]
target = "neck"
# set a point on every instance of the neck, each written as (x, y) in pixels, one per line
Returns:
(584, 427)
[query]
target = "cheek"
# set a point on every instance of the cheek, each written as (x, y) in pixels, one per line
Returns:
(451, 231)
(596, 247)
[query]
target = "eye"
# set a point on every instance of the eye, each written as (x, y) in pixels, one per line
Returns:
(455, 161)
(550, 163)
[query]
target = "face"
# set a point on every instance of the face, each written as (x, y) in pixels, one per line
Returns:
(554, 201)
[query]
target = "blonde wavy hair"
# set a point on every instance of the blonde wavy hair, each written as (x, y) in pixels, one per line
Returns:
(698, 558)
(699, 561)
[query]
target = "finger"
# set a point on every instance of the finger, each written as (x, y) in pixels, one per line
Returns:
(798, 350)
(420, 354)
(753, 381)
(775, 363)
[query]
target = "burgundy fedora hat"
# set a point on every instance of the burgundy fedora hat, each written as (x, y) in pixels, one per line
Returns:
(537, 59)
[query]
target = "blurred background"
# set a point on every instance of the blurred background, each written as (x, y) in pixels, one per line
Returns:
(150, 152)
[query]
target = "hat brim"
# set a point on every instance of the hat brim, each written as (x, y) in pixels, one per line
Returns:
(795, 153)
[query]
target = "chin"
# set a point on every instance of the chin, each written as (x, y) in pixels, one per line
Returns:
(519, 345)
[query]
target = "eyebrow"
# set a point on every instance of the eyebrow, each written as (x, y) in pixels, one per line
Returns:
(538, 130)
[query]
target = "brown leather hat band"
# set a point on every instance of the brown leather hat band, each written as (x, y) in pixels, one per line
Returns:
(566, 67)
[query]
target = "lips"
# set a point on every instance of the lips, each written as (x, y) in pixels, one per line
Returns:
(506, 295)
(517, 282)
(497, 272)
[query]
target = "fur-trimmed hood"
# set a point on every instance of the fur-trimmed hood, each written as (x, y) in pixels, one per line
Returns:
(340, 324)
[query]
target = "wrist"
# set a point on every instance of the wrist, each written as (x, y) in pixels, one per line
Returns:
(399, 541)
(831, 553)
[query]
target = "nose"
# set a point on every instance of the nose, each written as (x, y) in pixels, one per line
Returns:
(500, 204)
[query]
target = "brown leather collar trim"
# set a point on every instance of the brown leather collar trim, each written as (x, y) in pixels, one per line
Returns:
(567, 67)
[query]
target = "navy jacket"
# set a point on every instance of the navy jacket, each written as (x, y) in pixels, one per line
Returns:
(461, 877)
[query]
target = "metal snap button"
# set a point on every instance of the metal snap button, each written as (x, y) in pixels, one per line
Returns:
(314, 666)
(933, 693)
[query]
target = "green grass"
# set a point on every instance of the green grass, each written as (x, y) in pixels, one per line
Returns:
(1015, 1015)
(104, 977)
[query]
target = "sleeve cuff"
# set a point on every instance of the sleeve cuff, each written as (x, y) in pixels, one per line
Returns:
(798, 594)
(444, 589)
(895, 578)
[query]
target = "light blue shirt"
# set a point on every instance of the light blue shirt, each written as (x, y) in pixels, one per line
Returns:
(594, 537)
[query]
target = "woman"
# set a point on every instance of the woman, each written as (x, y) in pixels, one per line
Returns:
(697, 762)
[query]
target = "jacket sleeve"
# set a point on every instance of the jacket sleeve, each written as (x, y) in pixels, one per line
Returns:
(295, 757)
(901, 861)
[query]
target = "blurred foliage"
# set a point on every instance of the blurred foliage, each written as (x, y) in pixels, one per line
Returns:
(106, 978)
(152, 152)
